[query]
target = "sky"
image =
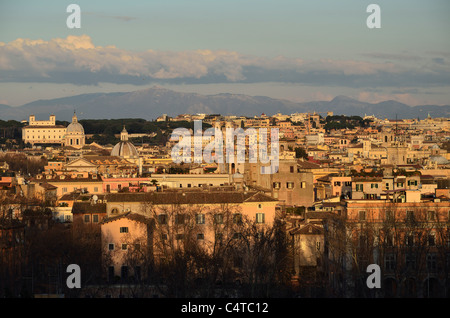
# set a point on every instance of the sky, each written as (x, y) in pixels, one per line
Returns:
(290, 49)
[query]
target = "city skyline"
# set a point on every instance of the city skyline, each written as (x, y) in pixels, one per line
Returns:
(298, 51)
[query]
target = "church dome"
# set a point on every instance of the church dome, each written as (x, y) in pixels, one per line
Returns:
(124, 148)
(74, 136)
(75, 127)
(440, 160)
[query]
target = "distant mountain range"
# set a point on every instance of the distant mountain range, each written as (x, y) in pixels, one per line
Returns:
(153, 102)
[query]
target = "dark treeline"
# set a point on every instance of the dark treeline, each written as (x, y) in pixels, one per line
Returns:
(10, 129)
(342, 122)
(132, 125)
(104, 130)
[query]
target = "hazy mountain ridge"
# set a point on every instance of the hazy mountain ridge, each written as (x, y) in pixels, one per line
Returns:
(153, 102)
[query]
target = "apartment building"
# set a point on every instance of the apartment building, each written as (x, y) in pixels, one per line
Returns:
(291, 185)
(167, 220)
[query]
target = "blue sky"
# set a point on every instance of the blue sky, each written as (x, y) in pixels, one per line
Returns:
(297, 50)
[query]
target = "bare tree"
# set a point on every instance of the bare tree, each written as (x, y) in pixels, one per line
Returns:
(211, 251)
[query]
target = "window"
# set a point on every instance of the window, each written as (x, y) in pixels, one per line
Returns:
(200, 218)
(410, 261)
(64, 190)
(237, 218)
(111, 246)
(290, 185)
(137, 272)
(260, 218)
(389, 215)
(124, 247)
(389, 240)
(200, 236)
(95, 189)
(179, 219)
(87, 218)
(389, 262)
(111, 272)
(363, 241)
(276, 185)
(409, 240)
(303, 185)
(359, 187)
(124, 272)
(179, 237)
(387, 186)
(431, 216)
(431, 240)
(431, 262)
(95, 218)
(362, 215)
(162, 218)
(409, 216)
(259, 206)
(219, 236)
(124, 229)
(218, 218)
(318, 245)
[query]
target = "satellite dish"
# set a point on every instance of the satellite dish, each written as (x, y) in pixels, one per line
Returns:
(95, 198)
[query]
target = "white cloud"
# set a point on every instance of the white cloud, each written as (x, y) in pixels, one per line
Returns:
(77, 60)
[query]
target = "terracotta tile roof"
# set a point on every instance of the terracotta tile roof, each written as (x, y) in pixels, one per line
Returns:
(87, 207)
(48, 186)
(106, 159)
(70, 196)
(308, 165)
(308, 229)
(320, 215)
(260, 197)
(197, 197)
(129, 215)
